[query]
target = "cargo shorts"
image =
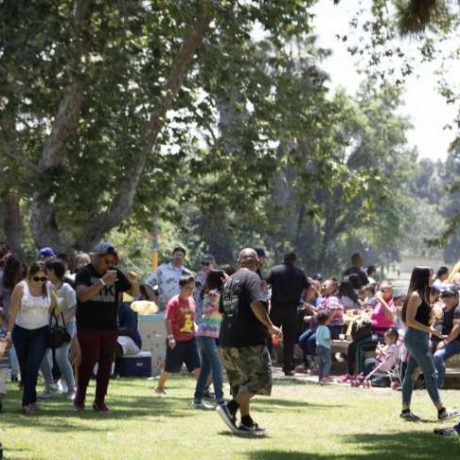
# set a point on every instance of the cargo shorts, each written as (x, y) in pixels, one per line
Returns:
(249, 369)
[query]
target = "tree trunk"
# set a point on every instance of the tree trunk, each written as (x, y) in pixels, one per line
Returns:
(12, 222)
(45, 229)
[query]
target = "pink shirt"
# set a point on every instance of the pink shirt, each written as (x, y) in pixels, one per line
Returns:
(379, 318)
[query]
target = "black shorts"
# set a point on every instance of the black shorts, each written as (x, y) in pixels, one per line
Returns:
(183, 352)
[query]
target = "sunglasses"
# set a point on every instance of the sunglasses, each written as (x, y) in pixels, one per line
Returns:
(39, 278)
(205, 263)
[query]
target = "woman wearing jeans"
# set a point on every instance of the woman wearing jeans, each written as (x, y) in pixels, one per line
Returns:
(208, 319)
(416, 314)
(67, 301)
(29, 314)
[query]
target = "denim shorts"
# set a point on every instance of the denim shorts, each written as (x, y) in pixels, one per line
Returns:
(184, 352)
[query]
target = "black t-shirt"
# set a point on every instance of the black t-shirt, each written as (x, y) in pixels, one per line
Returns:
(448, 320)
(288, 283)
(101, 311)
(363, 279)
(240, 327)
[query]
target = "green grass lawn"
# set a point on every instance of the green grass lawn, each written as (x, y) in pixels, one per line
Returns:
(305, 421)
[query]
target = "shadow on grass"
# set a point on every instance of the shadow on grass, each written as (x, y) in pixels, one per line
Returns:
(58, 414)
(274, 405)
(286, 381)
(414, 445)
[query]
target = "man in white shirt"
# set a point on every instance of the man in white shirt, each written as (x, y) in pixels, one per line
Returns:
(167, 277)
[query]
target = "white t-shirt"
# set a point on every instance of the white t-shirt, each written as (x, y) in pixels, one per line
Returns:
(167, 277)
(67, 298)
(34, 311)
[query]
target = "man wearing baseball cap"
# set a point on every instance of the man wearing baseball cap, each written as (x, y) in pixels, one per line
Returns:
(46, 253)
(98, 286)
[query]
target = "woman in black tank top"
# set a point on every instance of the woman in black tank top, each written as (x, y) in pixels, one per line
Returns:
(416, 314)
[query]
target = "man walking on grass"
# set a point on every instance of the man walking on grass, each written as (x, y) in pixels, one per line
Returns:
(243, 338)
(288, 282)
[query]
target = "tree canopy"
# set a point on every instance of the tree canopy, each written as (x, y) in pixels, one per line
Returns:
(210, 119)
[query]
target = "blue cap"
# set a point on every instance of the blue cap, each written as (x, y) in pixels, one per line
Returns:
(46, 252)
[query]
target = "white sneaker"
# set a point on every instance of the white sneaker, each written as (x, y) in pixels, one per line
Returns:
(62, 386)
(71, 395)
(202, 405)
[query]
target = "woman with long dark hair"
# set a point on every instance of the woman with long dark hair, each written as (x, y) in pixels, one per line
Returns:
(28, 321)
(14, 271)
(416, 314)
(208, 319)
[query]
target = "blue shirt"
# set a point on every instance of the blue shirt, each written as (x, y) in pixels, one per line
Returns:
(322, 334)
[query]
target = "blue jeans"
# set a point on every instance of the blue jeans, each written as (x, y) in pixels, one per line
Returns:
(440, 358)
(30, 345)
(62, 360)
(417, 343)
(324, 356)
(307, 342)
(210, 362)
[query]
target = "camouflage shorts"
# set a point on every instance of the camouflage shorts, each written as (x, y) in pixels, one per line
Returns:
(249, 369)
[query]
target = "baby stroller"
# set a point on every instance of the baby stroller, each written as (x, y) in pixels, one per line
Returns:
(388, 369)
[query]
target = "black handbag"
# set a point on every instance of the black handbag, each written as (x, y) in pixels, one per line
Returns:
(57, 334)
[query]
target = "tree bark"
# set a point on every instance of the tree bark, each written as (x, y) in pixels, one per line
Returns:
(44, 227)
(12, 222)
(122, 203)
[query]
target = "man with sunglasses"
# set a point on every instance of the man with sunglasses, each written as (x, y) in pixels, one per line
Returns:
(98, 287)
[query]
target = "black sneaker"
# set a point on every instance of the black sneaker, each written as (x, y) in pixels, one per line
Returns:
(452, 432)
(251, 430)
(228, 418)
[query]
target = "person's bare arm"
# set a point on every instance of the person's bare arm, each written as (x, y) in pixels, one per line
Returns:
(388, 311)
(16, 297)
(169, 332)
(132, 278)
(86, 293)
(453, 334)
(262, 315)
(412, 307)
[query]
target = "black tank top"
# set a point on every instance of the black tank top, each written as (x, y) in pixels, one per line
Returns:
(423, 313)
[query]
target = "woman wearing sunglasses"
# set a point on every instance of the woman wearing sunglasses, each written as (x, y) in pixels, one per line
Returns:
(28, 320)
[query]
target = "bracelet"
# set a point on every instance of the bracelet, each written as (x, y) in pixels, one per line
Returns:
(102, 281)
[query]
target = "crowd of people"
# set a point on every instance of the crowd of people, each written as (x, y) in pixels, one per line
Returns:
(225, 318)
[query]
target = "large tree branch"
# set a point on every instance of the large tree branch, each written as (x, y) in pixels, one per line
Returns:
(122, 203)
(11, 152)
(44, 227)
(66, 119)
